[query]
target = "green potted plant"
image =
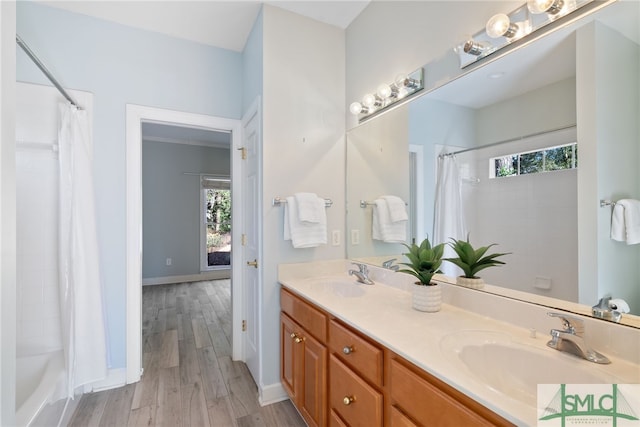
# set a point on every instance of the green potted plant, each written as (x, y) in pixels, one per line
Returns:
(424, 262)
(471, 261)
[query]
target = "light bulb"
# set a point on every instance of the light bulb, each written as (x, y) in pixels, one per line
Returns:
(500, 25)
(371, 100)
(401, 80)
(541, 6)
(357, 108)
(387, 91)
(384, 91)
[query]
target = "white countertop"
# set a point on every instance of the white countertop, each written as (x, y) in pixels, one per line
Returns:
(384, 313)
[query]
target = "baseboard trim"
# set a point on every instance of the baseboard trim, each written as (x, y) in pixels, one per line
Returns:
(209, 275)
(273, 393)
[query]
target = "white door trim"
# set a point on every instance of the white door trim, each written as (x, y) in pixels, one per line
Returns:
(136, 114)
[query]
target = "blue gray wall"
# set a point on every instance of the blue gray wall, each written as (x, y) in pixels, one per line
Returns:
(122, 65)
(171, 205)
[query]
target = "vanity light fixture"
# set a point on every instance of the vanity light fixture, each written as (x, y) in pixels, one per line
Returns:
(505, 28)
(388, 94)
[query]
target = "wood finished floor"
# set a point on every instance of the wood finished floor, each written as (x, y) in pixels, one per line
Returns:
(189, 378)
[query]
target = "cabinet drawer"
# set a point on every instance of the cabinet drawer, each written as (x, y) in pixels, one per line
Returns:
(357, 352)
(311, 319)
(357, 403)
(426, 403)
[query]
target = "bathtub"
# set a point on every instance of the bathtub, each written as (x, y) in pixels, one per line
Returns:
(38, 375)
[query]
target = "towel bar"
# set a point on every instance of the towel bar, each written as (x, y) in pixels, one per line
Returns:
(277, 201)
(604, 203)
(364, 204)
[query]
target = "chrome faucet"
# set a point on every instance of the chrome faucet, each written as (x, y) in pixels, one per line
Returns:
(362, 273)
(571, 340)
(389, 265)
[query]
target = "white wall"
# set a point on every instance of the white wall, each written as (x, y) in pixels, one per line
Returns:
(7, 213)
(303, 147)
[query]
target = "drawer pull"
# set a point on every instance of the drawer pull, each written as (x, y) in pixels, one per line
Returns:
(298, 339)
(348, 349)
(348, 400)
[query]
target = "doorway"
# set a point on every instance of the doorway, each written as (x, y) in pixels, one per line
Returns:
(136, 117)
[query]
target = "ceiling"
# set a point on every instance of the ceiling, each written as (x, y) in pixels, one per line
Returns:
(224, 24)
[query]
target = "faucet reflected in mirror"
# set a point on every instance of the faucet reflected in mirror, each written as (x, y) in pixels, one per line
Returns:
(558, 254)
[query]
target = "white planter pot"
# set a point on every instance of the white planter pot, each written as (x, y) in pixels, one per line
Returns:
(476, 283)
(427, 298)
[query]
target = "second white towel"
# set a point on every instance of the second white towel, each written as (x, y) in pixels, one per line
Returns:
(382, 228)
(625, 221)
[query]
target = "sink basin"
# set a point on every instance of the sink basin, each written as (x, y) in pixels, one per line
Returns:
(513, 369)
(345, 287)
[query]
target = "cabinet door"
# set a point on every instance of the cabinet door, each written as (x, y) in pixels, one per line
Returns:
(291, 351)
(313, 402)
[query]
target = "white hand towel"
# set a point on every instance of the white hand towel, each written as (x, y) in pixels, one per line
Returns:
(397, 208)
(382, 227)
(308, 208)
(625, 221)
(303, 234)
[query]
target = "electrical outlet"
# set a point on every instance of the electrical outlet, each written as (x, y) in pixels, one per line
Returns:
(335, 237)
(169, 261)
(355, 237)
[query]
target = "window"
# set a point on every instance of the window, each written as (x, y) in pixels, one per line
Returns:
(549, 159)
(216, 222)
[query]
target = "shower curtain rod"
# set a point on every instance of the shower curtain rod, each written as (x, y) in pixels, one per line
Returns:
(506, 141)
(46, 72)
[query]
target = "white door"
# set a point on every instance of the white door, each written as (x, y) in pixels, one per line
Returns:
(252, 237)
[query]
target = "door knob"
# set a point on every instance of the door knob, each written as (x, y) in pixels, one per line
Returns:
(253, 263)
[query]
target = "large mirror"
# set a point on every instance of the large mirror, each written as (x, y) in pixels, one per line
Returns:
(542, 135)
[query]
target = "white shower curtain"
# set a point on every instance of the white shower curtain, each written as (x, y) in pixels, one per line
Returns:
(448, 219)
(83, 326)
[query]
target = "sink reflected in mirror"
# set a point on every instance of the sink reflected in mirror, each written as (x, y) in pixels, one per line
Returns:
(513, 369)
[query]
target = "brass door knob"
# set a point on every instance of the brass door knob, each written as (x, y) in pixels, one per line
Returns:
(348, 400)
(253, 263)
(298, 339)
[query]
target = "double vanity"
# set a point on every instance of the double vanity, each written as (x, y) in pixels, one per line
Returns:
(356, 354)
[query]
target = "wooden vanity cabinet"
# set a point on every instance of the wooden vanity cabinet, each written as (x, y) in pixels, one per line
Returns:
(304, 359)
(338, 377)
(420, 399)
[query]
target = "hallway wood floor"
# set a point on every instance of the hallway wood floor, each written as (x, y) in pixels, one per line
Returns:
(189, 378)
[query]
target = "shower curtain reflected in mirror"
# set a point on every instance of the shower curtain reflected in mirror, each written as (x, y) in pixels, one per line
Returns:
(449, 214)
(83, 323)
